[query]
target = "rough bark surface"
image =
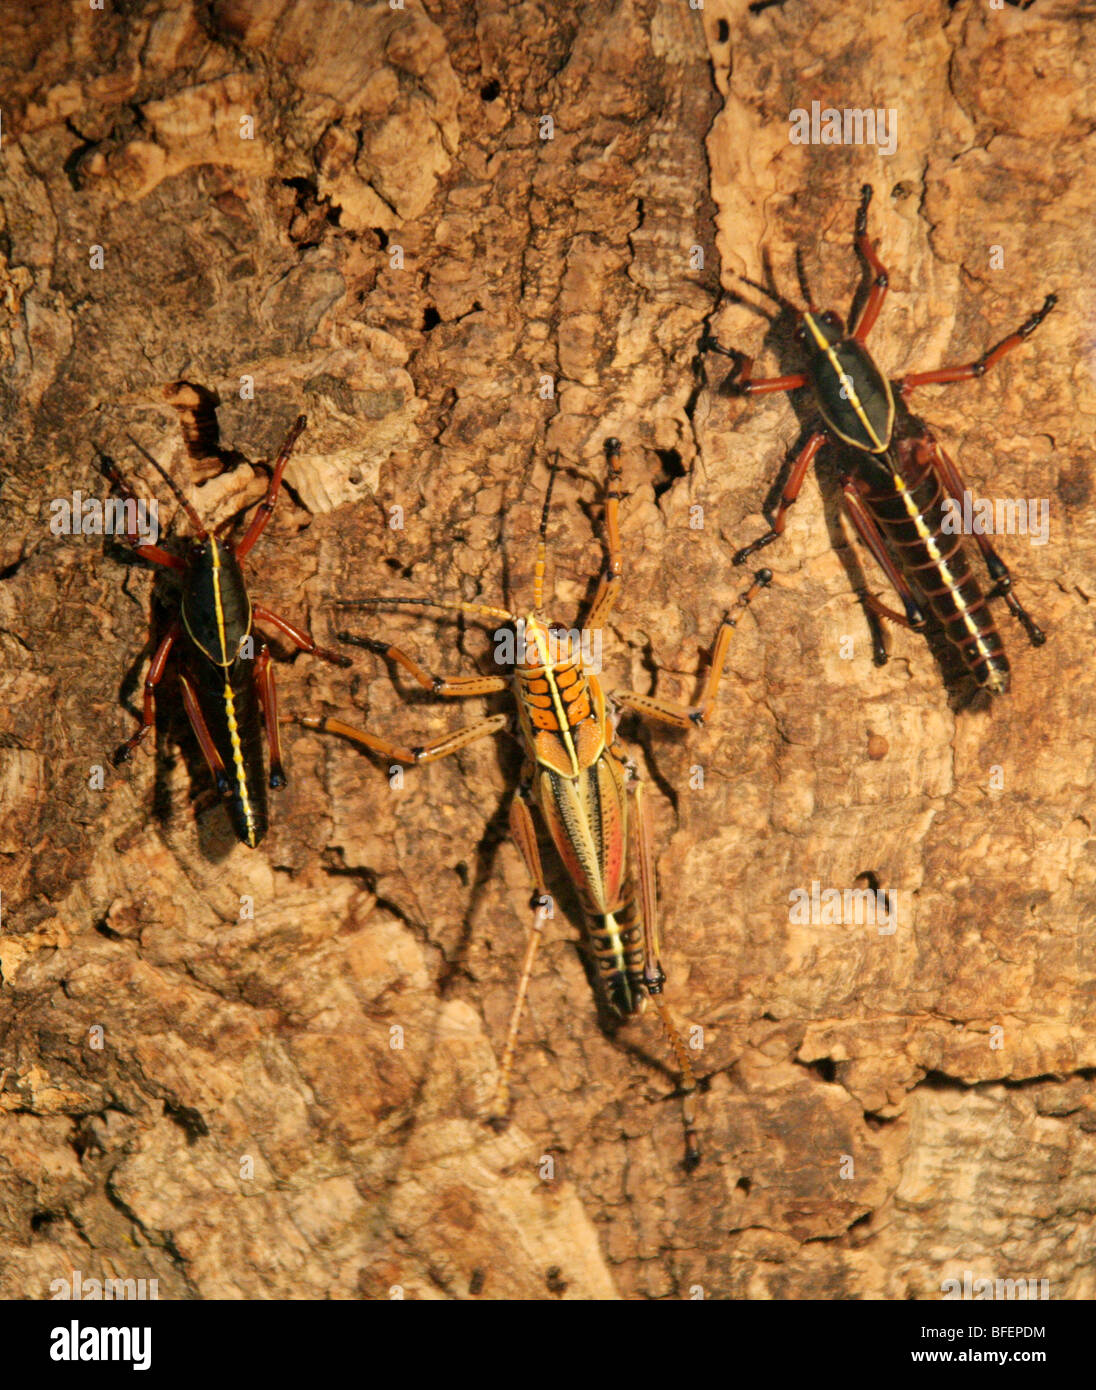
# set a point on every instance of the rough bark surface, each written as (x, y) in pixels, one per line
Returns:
(882, 1111)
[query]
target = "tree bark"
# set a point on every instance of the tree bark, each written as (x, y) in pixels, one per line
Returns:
(464, 239)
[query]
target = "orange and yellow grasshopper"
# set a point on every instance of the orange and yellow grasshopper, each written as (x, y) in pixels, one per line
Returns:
(579, 776)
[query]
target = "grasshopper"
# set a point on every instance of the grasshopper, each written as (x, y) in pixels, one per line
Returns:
(579, 777)
(226, 689)
(896, 480)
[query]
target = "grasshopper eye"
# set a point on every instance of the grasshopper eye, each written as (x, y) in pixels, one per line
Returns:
(832, 320)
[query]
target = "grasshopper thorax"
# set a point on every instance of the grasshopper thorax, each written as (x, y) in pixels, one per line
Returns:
(560, 707)
(853, 395)
(540, 645)
(216, 607)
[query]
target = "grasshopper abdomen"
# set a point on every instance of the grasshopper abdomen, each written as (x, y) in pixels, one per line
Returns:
(229, 702)
(912, 514)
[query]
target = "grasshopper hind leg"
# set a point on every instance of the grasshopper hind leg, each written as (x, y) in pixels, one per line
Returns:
(688, 1082)
(524, 835)
(654, 976)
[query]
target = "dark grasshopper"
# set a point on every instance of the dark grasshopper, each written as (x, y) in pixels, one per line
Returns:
(896, 478)
(581, 779)
(224, 670)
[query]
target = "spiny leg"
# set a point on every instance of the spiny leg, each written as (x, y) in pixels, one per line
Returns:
(265, 509)
(422, 753)
(741, 383)
(988, 359)
(298, 636)
(654, 976)
(687, 716)
(268, 698)
(204, 737)
(791, 492)
(688, 1081)
(609, 586)
(155, 674)
(869, 533)
(523, 832)
(878, 291)
(453, 687)
(877, 610)
(952, 481)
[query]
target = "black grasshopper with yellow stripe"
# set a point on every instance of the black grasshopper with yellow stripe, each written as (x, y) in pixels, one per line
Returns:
(224, 668)
(580, 779)
(901, 490)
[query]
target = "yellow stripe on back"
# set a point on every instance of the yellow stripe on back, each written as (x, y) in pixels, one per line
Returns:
(611, 929)
(230, 697)
(557, 701)
(215, 555)
(925, 534)
(824, 345)
(238, 755)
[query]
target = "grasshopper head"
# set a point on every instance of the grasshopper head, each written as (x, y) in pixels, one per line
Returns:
(542, 645)
(817, 332)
